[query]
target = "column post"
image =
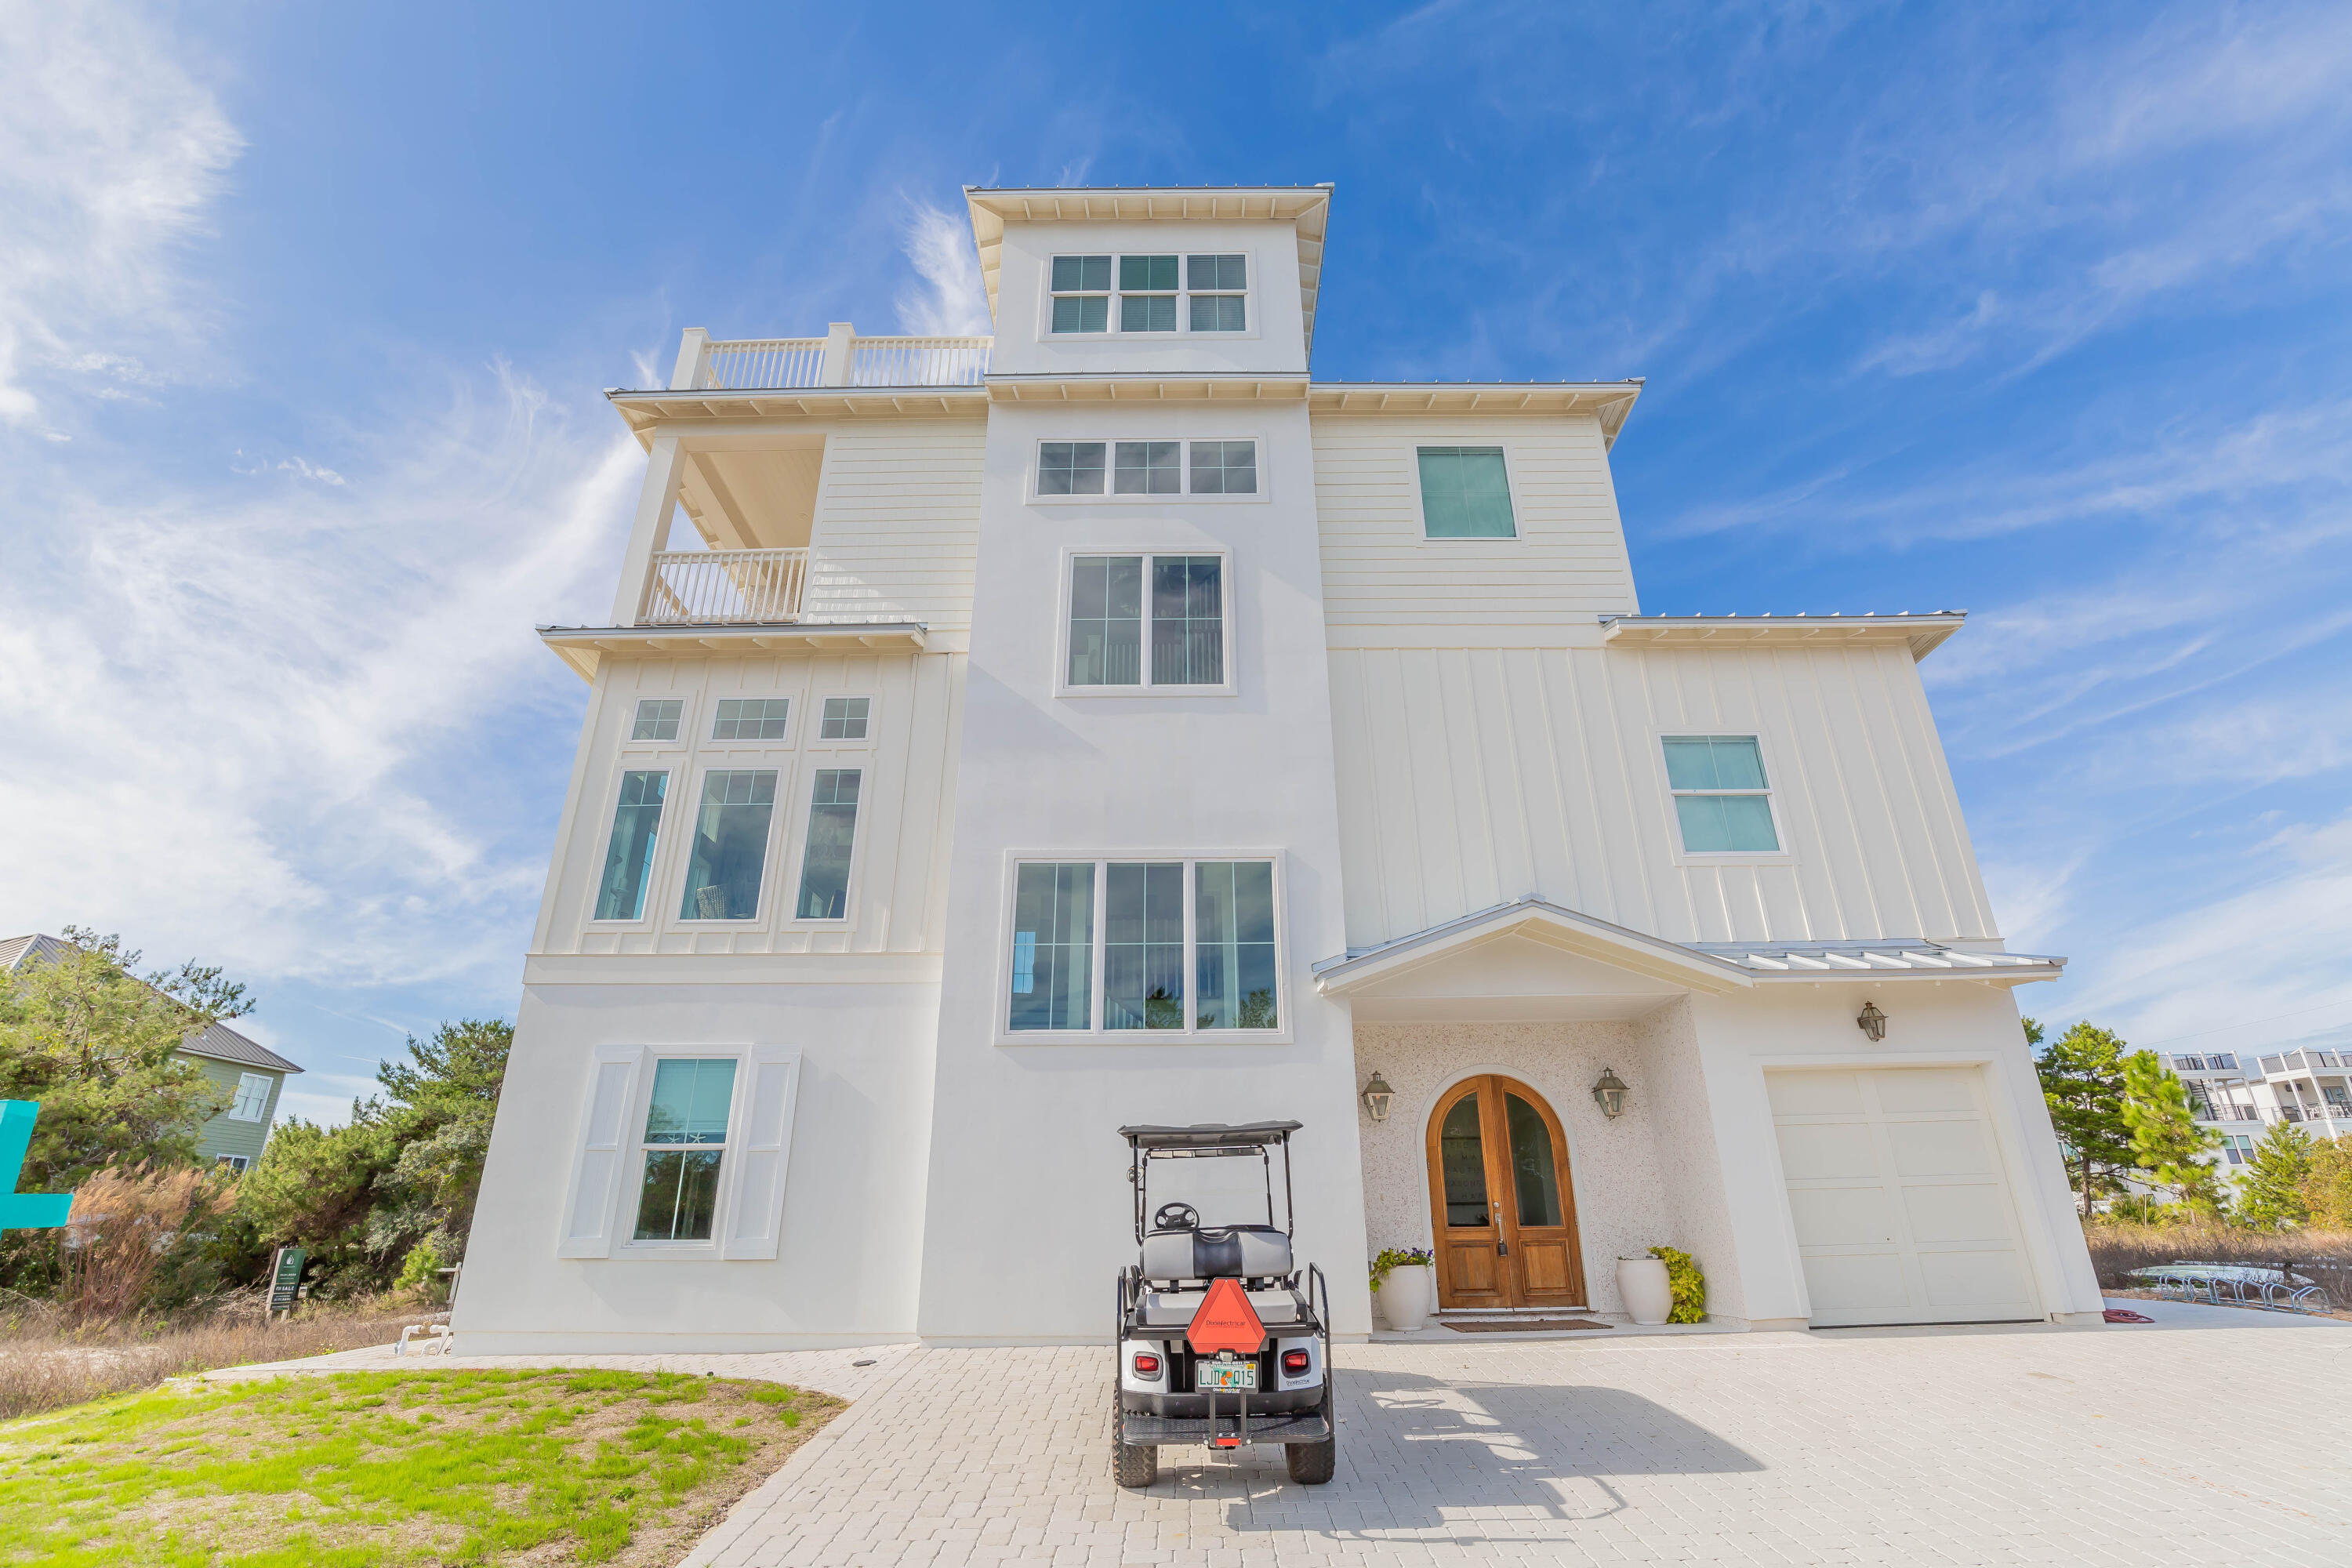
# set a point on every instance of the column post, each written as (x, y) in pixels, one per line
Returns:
(656, 505)
(693, 350)
(838, 337)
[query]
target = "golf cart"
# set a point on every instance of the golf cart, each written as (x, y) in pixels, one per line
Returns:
(1222, 1338)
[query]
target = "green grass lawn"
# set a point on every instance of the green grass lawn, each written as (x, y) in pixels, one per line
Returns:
(362, 1468)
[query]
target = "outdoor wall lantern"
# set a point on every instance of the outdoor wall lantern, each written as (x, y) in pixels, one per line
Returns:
(1611, 1094)
(1870, 1022)
(1377, 1096)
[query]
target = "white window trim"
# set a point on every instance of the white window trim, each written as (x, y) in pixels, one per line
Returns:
(1252, 263)
(687, 719)
(261, 1112)
(1770, 791)
(664, 831)
(798, 850)
(1518, 534)
(1286, 997)
(748, 1219)
(818, 742)
(1187, 496)
(791, 702)
(1062, 686)
(783, 770)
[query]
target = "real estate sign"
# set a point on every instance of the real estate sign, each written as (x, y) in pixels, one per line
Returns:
(286, 1278)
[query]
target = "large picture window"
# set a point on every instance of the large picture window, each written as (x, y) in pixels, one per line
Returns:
(1721, 800)
(685, 1139)
(1112, 598)
(832, 835)
(629, 855)
(1180, 947)
(731, 844)
(1146, 469)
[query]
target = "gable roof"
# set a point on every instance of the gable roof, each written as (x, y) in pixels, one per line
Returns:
(216, 1041)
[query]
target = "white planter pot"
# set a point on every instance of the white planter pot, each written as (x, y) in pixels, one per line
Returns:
(1642, 1286)
(1407, 1296)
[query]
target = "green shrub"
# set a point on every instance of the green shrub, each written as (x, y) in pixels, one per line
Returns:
(1687, 1283)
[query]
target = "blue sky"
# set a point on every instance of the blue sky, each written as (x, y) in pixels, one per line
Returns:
(304, 314)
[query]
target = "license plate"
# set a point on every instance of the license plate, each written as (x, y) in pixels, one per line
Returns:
(1224, 1376)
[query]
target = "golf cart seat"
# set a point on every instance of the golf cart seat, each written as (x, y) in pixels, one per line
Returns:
(1239, 1251)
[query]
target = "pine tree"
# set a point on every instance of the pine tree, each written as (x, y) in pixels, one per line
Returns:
(2083, 1081)
(2165, 1140)
(2328, 1190)
(2271, 1191)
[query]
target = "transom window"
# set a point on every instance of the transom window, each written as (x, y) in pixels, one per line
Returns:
(1147, 468)
(252, 1102)
(752, 719)
(1112, 598)
(1157, 293)
(1721, 798)
(731, 844)
(629, 854)
(845, 719)
(1464, 493)
(658, 719)
(832, 836)
(1144, 946)
(684, 1143)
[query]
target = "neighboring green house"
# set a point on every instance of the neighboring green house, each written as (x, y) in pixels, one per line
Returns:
(251, 1074)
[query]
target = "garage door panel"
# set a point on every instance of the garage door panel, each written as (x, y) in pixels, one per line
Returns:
(1958, 1281)
(1829, 1151)
(1815, 1093)
(1856, 1283)
(1909, 1090)
(1941, 1149)
(1842, 1216)
(1951, 1214)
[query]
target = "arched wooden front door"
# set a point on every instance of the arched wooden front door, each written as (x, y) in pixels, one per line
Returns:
(1504, 1211)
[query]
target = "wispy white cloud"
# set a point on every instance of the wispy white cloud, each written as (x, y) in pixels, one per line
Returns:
(109, 152)
(949, 301)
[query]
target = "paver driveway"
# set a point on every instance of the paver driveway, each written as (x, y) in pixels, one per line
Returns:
(2175, 1443)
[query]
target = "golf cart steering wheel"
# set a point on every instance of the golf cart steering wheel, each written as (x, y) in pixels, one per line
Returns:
(1176, 1216)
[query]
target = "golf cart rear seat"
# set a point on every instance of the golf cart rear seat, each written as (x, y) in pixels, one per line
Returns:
(1238, 1251)
(1174, 1310)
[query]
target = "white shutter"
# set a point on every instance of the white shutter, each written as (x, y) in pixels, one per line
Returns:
(604, 1153)
(762, 1153)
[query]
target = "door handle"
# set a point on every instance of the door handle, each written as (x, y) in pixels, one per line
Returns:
(1502, 1249)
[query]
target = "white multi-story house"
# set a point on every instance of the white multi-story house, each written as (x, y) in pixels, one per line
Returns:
(1107, 721)
(2237, 1095)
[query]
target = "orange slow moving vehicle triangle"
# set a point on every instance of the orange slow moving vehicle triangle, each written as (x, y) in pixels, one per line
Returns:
(1225, 1322)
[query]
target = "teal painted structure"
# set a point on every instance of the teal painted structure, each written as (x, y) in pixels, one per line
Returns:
(25, 1211)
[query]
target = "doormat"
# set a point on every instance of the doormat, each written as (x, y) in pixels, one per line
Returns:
(1521, 1325)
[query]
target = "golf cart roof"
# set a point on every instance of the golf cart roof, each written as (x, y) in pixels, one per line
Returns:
(1210, 1135)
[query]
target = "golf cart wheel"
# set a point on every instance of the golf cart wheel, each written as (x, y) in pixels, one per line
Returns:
(1131, 1463)
(1312, 1464)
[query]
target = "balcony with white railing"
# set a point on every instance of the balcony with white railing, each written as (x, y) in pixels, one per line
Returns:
(839, 359)
(723, 588)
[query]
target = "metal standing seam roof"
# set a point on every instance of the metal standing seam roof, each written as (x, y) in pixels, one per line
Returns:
(217, 1042)
(1826, 959)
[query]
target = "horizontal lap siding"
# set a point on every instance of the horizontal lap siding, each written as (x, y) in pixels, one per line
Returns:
(896, 526)
(1469, 777)
(1568, 564)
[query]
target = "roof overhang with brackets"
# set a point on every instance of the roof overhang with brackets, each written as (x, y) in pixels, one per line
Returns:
(584, 647)
(1923, 633)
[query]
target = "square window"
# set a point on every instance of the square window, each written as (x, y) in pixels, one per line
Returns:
(1464, 493)
(1230, 273)
(1147, 274)
(845, 719)
(1070, 467)
(629, 853)
(1146, 312)
(1721, 800)
(1218, 313)
(1224, 467)
(1148, 468)
(658, 719)
(1082, 275)
(685, 1139)
(752, 719)
(729, 852)
(832, 835)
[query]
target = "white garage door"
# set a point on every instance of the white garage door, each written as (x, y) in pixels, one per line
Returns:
(1902, 1211)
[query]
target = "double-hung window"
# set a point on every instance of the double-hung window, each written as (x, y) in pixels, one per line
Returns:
(1157, 293)
(1721, 798)
(629, 855)
(729, 852)
(1147, 468)
(1123, 948)
(252, 1102)
(684, 1144)
(1081, 293)
(832, 836)
(1122, 606)
(1465, 493)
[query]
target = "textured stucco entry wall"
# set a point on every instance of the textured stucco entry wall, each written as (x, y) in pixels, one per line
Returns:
(1623, 1204)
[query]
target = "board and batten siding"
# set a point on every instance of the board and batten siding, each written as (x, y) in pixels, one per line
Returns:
(1472, 776)
(896, 902)
(1384, 584)
(897, 528)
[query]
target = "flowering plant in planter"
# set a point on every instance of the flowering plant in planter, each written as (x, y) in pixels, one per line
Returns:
(1399, 1257)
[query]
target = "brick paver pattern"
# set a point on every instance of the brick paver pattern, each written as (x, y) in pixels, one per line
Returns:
(2175, 1443)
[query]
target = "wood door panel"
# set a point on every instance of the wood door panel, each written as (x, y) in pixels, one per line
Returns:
(1543, 1264)
(1472, 1269)
(1501, 1263)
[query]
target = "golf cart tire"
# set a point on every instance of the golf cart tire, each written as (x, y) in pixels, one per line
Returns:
(1312, 1464)
(1135, 1464)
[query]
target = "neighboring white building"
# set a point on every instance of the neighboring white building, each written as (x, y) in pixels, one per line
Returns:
(1109, 722)
(2239, 1095)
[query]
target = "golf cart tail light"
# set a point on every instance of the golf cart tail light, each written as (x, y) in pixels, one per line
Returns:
(1294, 1362)
(1146, 1366)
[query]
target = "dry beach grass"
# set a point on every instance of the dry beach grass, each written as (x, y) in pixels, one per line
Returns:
(2118, 1246)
